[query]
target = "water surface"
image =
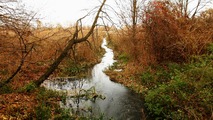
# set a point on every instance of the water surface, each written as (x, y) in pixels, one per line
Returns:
(116, 101)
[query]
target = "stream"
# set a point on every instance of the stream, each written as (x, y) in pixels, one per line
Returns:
(110, 99)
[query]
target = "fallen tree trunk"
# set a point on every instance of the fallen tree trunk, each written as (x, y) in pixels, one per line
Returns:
(71, 42)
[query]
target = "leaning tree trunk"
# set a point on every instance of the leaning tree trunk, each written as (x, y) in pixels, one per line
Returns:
(71, 42)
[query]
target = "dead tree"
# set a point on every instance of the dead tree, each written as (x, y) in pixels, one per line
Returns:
(74, 40)
(191, 12)
(129, 14)
(15, 21)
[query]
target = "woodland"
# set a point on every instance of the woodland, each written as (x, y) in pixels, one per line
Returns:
(163, 47)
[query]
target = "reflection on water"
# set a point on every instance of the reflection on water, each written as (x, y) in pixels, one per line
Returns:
(114, 101)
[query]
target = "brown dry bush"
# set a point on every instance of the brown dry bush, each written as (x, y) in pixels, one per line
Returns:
(173, 37)
(48, 44)
(136, 51)
(11, 52)
(89, 50)
(161, 30)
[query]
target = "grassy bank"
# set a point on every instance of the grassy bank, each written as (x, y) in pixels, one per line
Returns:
(172, 90)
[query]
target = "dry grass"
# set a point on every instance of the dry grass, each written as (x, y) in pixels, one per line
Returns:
(16, 106)
(47, 45)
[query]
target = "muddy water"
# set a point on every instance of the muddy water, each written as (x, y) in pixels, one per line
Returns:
(114, 101)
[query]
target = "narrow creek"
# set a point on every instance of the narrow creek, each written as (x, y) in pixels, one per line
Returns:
(114, 100)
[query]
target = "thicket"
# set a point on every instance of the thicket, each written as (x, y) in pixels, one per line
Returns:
(173, 63)
(166, 35)
(173, 37)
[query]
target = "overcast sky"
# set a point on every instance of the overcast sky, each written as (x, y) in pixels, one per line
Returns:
(64, 12)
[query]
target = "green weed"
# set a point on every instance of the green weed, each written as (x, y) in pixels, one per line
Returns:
(43, 112)
(44, 95)
(123, 57)
(180, 91)
(75, 69)
(64, 115)
(4, 71)
(28, 88)
(210, 48)
(6, 89)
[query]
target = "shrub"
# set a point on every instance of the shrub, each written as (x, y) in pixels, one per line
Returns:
(64, 115)
(187, 94)
(6, 89)
(123, 57)
(43, 112)
(29, 87)
(173, 37)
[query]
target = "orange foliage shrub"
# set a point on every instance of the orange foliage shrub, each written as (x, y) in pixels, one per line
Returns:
(173, 37)
(164, 36)
(161, 29)
(136, 51)
(47, 43)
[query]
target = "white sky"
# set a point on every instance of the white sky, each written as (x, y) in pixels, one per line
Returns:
(64, 12)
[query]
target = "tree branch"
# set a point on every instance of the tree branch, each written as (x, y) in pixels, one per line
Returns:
(71, 42)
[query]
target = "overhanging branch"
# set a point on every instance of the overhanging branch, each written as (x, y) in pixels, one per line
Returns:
(71, 42)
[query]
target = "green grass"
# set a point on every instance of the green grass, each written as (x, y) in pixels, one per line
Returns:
(6, 89)
(72, 68)
(30, 87)
(124, 58)
(43, 112)
(178, 91)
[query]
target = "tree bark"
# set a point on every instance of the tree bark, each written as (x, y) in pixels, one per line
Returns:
(134, 18)
(134, 27)
(13, 75)
(71, 42)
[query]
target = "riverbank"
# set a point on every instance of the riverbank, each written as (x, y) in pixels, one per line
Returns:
(171, 90)
(26, 101)
(97, 95)
(21, 99)
(30, 102)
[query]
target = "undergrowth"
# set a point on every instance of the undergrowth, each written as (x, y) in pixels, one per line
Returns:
(48, 107)
(180, 91)
(72, 68)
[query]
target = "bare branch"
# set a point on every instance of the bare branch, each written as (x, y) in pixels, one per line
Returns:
(69, 46)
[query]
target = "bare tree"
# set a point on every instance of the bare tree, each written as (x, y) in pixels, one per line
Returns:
(190, 8)
(15, 21)
(74, 40)
(135, 15)
(130, 12)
